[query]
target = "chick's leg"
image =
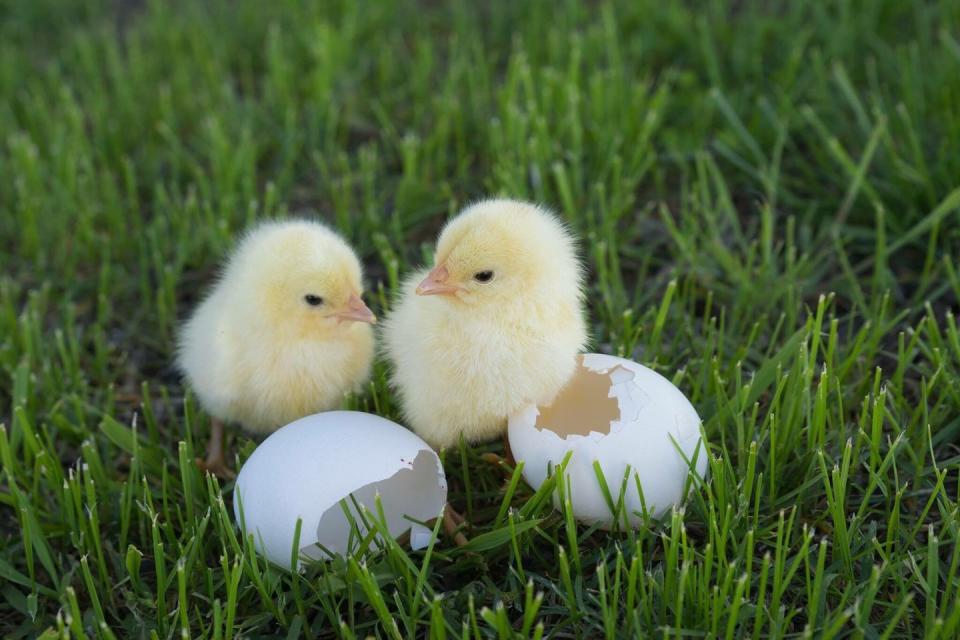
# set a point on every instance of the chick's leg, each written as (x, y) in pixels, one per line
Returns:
(215, 462)
(452, 521)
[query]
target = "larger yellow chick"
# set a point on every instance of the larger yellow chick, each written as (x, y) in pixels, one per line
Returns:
(283, 334)
(494, 326)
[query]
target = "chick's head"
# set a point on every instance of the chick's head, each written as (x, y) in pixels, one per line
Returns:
(299, 278)
(504, 252)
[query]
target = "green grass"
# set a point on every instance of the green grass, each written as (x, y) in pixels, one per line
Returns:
(769, 197)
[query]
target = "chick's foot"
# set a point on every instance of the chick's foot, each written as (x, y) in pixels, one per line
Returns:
(217, 467)
(506, 462)
(452, 523)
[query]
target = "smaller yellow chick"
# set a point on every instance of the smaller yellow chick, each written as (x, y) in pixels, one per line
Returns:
(494, 326)
(283, 334)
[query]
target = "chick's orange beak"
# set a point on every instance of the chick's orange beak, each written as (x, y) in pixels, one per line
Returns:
(356, 311)
(436, 283)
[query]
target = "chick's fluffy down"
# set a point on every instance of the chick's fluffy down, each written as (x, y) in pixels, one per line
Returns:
(463, 365)
(254, 353)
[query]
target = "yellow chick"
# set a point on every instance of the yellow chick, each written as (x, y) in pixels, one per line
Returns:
(495, 325)
(283, 334)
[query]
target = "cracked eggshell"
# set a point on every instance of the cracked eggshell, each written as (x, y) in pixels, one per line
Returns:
(618, 413)
(305, 469)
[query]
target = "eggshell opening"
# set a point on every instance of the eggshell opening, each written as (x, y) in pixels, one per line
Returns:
(628, 420)
(303, 470)
(409, 495)
(586, 405)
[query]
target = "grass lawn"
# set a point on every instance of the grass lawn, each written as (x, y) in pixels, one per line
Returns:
(768, 195)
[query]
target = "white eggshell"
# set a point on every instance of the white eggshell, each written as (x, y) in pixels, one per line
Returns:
(306, 468)
(651, 424)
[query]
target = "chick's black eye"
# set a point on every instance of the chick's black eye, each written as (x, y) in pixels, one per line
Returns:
(483, 276)
(313, 300)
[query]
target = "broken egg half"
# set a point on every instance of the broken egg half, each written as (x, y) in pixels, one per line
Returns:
(305, 469)
(632, 422)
